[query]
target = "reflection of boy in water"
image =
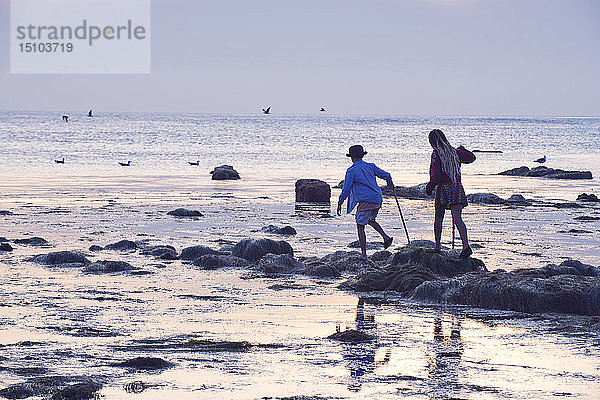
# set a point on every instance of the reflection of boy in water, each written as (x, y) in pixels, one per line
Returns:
(361, 356)
(444, 362)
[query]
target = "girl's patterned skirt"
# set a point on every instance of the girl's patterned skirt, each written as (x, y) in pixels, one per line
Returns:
(450, 194)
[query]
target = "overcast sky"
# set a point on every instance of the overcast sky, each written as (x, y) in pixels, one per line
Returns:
(401, 57)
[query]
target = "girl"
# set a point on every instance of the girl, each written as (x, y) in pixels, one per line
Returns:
(444, 172)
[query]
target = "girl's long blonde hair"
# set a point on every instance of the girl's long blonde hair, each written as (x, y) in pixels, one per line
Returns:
(447, 153)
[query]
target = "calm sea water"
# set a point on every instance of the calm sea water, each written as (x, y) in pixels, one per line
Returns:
(71, 324)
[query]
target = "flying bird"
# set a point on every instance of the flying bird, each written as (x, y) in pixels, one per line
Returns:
(122, 164)
(267, 110)
(194, 163)
(60, 161)
(322, 109)
(65, 118)
(541, 160)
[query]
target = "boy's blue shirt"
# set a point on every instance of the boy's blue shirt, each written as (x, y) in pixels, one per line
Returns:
(360, 184)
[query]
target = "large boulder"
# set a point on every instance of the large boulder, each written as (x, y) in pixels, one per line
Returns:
(588, 198)
(164, 252)
(416, 192)
(32, 241)
(255, 249)
(60, 258)
(279, 264)
(275, 230)
(107, 267)
(347, 261)
(214, 261)
(5, 247)
(193, 252)
(224, 172)
(485, 198)
(549, 173)
(312, 191)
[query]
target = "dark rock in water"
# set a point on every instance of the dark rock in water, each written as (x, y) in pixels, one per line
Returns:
(145, 363)
(382, 255)
(588, 197)
(312, 191)
(518, 200)
(286, 230)
(576, 231)
(368, 246)
(224, 172)
(520, 171)
(255, 249)
(347, 261)
(184, 212)
(193, 252)
(279, 264)
(567, 205)
(315, 267)
(95, 247)
(587, 218)
(5, 247)
(339, 185)
(485, 198)
(351, 335)
(5, 212)
(164, 252)
(78, 391)
(3, 239)
(411, 192)
(102, 267)
(33, 241)
(122, 245)
(214, 261)
(61, 257)
(549, 173)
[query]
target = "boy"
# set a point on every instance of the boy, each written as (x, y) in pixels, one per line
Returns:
(360, 187)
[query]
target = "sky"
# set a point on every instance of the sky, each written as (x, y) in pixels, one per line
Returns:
(383, 57)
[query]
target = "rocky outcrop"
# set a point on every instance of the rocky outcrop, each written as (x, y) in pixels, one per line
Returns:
(78, 391)
(193, 252)
(255, 249)
(122, 245)
(592, 198)
(184, 212)
(351, 336)
(214, 261)
(5, 247)
(164, 252)
(312, 191)
(416, 192)
(368, 245)
(421, 274)
(485, 198)
(32, 241)
(224, 172)
(5, 212)
(61, 258)
(54, 387)
(275, 230)
(546, 172)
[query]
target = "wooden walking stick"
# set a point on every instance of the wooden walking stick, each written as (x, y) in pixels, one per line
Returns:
(453, 227)
(401, 216)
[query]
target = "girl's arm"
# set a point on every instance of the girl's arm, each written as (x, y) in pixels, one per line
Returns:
(435, 173)
(464, 155)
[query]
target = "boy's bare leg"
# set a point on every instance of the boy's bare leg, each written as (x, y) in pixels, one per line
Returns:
(362, 239)
(379, 229)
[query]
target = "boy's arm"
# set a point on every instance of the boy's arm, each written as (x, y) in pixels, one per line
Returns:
(383, 175)
(348, 181)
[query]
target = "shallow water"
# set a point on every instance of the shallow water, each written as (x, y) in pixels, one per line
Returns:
(70, 323)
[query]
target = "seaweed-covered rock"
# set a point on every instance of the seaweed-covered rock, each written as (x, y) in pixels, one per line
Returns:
(485, 198)
(312, 191)
(382, 255)
(518, 200)
(351, 335)
(184, 212)
(164, 252)
(32, 241)
(122, 245)
(368, 245)
(61, 257)
(78, 391)
(214, 261)
(254, 249)
(279, 264)
(145, 363)
(399, 278)
(320, 270)
(193, 252)
(224, 172)
(286, 230)
(347, 261)
(5, 247)
(95, 248)
(104, 267)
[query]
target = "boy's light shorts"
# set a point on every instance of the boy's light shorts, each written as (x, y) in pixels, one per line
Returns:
(363, 217)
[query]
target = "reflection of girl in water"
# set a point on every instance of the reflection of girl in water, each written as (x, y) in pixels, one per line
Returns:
(444, 360)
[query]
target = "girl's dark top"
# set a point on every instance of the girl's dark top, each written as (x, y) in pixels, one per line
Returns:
(437, 176)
